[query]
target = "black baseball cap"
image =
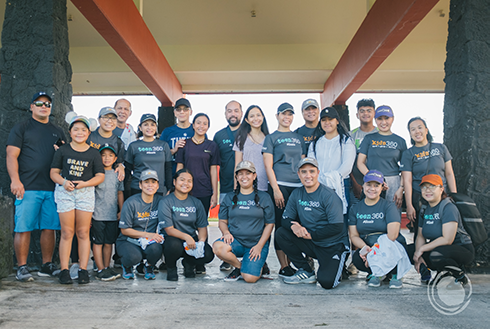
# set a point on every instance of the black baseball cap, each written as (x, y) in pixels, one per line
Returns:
(148, 116)
(39, 94)
(182, 101)
(108, 147)
(285, 107)
(329, 112)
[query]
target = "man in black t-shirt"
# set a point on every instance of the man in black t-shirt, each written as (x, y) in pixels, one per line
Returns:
(313, 225)
(30, 150)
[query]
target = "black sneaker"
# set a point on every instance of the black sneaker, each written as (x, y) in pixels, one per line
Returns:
(47, 269)
(162, 266)
(64, 277)
(23, 274)
(114, 273)
(83, 277)
(225, 266)
(172, 274)
(265, 270)
(286, 272)
(425, 274)
(200, 269)
(235, 275)
(105, 275)
(117, 261)
(189, 270)
(140, 269)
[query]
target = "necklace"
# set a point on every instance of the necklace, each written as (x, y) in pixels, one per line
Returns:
(198, 142)
(253, 139)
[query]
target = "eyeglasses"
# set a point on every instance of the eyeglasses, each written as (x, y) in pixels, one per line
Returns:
(182, 109)
(111, 118)
(429, 187)
(40, 103)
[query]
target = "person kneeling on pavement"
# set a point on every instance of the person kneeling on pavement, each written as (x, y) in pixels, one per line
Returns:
(313, 225)
(139, 237)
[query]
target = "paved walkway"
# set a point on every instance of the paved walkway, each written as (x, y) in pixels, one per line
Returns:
(209, 302)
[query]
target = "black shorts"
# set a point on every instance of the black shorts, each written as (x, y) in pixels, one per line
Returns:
(104, 232)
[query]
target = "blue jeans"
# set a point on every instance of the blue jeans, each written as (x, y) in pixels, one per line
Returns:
(252, 267)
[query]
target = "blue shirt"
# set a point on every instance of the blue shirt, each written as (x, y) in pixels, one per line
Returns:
(173, 134)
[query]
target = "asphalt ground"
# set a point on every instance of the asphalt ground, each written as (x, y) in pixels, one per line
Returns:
(208, 302)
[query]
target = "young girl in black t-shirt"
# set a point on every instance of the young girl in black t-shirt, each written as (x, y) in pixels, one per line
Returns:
(76, 169)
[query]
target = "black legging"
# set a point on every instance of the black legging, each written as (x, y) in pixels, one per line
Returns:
(132, 254)
(442, 256)
(174, 250)
(206, 202)
(330, 259)
(286, 192)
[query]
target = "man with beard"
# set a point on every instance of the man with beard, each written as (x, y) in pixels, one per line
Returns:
(225, 138)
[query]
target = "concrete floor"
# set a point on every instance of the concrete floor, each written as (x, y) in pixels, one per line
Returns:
(209, 302)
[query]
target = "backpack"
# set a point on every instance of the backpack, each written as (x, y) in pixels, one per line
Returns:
(471, 218)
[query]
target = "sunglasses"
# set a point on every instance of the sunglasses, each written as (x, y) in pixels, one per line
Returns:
(40, 103)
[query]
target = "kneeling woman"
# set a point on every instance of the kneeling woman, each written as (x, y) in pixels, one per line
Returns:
(449, 243)
(246, 220)
(185, 220)
(139, 219)
(370, 218)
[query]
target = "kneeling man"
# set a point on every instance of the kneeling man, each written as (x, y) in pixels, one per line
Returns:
(313, 225)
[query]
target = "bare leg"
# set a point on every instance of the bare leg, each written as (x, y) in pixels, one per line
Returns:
(283, 259)
(106, 254)
(250, 278)
(223, 251)
(21, 244)
(98, 257)
(48, 238)
(83, 220)
(67, 221)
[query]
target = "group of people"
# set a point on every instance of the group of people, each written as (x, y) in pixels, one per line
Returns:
(325, 191)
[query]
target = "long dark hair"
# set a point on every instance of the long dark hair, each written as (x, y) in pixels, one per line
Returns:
(177, 174)
(245, 128)
(341, 129)
(237, 191)
(429, 136)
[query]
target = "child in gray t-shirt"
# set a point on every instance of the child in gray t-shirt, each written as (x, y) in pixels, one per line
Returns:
(109, 200)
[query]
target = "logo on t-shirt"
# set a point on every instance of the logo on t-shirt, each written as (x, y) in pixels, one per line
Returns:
(313, 204)
(76, 167)
(384, 144)
(429, 219)
(184, 211)
(422, 155)
(289, 141)
(370, 218)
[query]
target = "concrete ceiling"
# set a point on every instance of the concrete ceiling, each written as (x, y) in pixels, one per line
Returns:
(216, 46)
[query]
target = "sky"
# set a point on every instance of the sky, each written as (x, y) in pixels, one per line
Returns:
(405, 106)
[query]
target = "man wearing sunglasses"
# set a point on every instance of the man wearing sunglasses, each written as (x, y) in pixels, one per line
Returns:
(30, 150)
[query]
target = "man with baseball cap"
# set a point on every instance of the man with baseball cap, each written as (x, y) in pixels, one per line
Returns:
(177, 134)
(311, 112)
(103, 135)
(313, 225)
(123, 129)
(30, 150)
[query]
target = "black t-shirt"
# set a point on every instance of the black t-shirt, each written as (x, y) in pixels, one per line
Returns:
(35, 140)
(225, 138)
(76, 165)
(307, 133)
(96, 141)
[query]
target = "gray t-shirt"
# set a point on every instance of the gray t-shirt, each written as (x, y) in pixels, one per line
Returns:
(148, 155)
(139, 215)
(307, 133)
(435, 217)
(375, 218)
(315, 211)
(96, 141)
(383, 152)
(416, 160)
(286, 149)
(106, 197)
(184, 215)
(358, 136)
(246, 221)
(253, 152)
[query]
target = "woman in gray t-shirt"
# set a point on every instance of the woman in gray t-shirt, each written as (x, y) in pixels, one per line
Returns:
(440, 224)
(370, 218)
(249, 142)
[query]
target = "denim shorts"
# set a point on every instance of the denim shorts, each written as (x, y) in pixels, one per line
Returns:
(81, 199)
(36, 211)
(248, 266)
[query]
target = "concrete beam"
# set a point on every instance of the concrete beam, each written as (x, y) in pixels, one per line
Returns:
(386, 25)
(121, 25)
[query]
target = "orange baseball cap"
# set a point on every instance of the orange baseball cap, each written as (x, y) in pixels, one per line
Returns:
(432, 179)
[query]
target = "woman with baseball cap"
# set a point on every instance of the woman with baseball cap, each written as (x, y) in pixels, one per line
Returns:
(282, 151)
(140, 237)
(370, 218)
(335, 152)
(449, 246)
(383, 150)
(246, 220)
(149, 153)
